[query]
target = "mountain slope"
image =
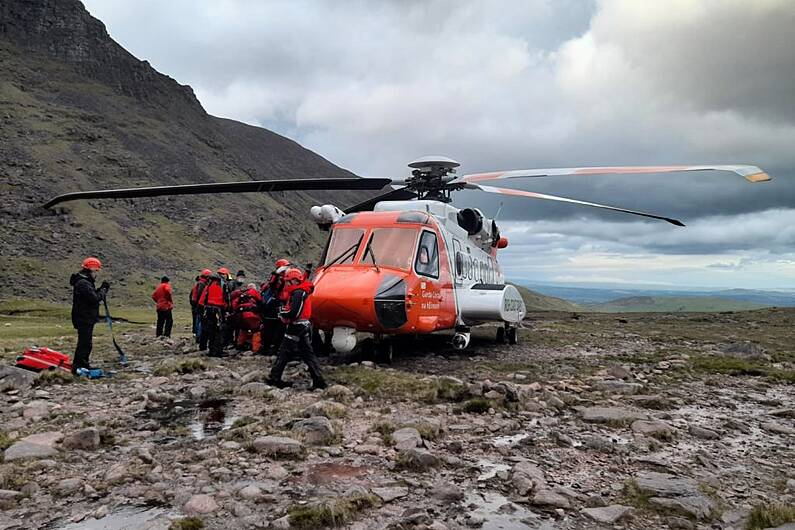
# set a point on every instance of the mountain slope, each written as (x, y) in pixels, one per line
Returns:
(539, 302)
(673, 304)
(79, 112)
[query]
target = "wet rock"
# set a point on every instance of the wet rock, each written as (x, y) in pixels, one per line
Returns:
(608, 514)
(406, 438)
(13, 378)
(315, 431)
(340, 393)
(40, 445)
(698, 506)
(69, 486)
(278, 446)
(86, 440)
(549, 498)
(200, 504)
(703, 433)
(447, 493)
(418, 459)
(656, 428)
(255, 389)
(612, 415)
(390, 494)
(329, 409)
(777, 428)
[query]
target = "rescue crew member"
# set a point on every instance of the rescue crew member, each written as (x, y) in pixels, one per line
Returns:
(85, 309)
(164, 304)
(214, 301)
(195, 293)
(247, 318)
(272, 327)
(295, 312)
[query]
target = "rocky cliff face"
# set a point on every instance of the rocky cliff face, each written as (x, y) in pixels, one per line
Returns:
(79, 112)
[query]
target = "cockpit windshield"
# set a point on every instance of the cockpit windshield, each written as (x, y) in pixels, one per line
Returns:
(343, 246)
(391, 247)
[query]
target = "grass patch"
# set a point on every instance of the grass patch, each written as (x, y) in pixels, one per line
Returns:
(188, 523)
(386, 384)
(330, 513)
(740, 367)
(385, 428)
(770, 516)
(53, 377)
(477, 406)
(5, 441)
(450, 391)
(633, 496)
(184, 366)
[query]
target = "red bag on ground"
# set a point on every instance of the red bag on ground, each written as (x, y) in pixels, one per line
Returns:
(38, 359)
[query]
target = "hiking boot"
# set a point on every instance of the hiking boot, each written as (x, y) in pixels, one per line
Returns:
(278, 383)
(318, 385)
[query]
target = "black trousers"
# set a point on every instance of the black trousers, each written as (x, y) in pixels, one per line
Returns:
(297, 343)
(85, 342)
(212, 331)
(164, 323)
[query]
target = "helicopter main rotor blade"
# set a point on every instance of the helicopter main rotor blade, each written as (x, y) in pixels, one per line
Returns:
(400, 194)
(226, 187)
(751, 173)
(534, 195)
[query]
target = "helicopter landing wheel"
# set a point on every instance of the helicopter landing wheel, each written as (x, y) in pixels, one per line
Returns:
(384, 352)
(501, 335)
(513, 335)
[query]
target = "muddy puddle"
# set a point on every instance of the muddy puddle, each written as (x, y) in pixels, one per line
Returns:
(329, 473)
(498, 513)
(125, 519)
(203, 418)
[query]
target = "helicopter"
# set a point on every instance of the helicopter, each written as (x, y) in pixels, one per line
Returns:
(408, 262)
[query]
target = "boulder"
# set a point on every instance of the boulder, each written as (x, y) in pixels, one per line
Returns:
(329, 409)
(256, 375)
(418, 459)
(340, 393)
(746, 350)
(665, 484)
(68, 486)
(407, 438)
(200, 504)
(40, 445)
(250, 492)
(447, 492)
(549, 498)
(9, 495)
(656, 428)
(608, 514)
(703, 433)
(86, 439)
(618, 387)
(527, 477)
(13, 378)
(317, 430)
(698, 506)
(777, 428)
(255, 389)
(36, 410)
(278, 446)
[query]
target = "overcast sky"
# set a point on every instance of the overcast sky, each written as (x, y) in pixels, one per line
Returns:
(371, 85)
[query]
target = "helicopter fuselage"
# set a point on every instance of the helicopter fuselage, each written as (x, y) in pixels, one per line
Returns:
(410, 267)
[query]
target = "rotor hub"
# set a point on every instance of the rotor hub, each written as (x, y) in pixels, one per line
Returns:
(430, 177)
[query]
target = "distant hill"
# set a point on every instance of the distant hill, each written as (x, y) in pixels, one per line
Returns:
(538, 302)
(78, 112)
(673, 304)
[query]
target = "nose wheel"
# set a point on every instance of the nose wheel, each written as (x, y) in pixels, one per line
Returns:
(508, 333)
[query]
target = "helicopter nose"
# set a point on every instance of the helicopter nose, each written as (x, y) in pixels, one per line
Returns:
(367, 300)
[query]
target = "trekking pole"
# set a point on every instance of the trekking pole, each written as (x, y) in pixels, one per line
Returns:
(122, 356)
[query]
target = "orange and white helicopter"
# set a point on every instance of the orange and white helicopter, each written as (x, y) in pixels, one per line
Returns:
(408, 262)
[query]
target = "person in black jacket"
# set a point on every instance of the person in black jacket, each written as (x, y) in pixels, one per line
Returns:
(85, 309)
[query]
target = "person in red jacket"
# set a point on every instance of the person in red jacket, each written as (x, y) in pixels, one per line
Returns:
(248, 320)
(164, 304)
(195, 294)
(295, 312)
(214, 302)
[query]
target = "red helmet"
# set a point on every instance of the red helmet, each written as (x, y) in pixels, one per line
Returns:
(223, 271)
(206, 273)
(294, 274)
(91, 263)
(281, 262)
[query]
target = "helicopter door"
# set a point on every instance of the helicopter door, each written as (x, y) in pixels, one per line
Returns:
(458, 262)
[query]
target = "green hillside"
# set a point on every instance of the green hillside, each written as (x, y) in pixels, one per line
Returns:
(673, 304)
(538, 302)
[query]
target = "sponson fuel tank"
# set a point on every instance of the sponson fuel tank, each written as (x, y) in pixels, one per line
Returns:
(489, 302)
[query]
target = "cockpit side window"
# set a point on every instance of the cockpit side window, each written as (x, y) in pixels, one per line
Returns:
(427, 260)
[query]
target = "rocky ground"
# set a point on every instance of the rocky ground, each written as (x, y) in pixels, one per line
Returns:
(594, 421)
